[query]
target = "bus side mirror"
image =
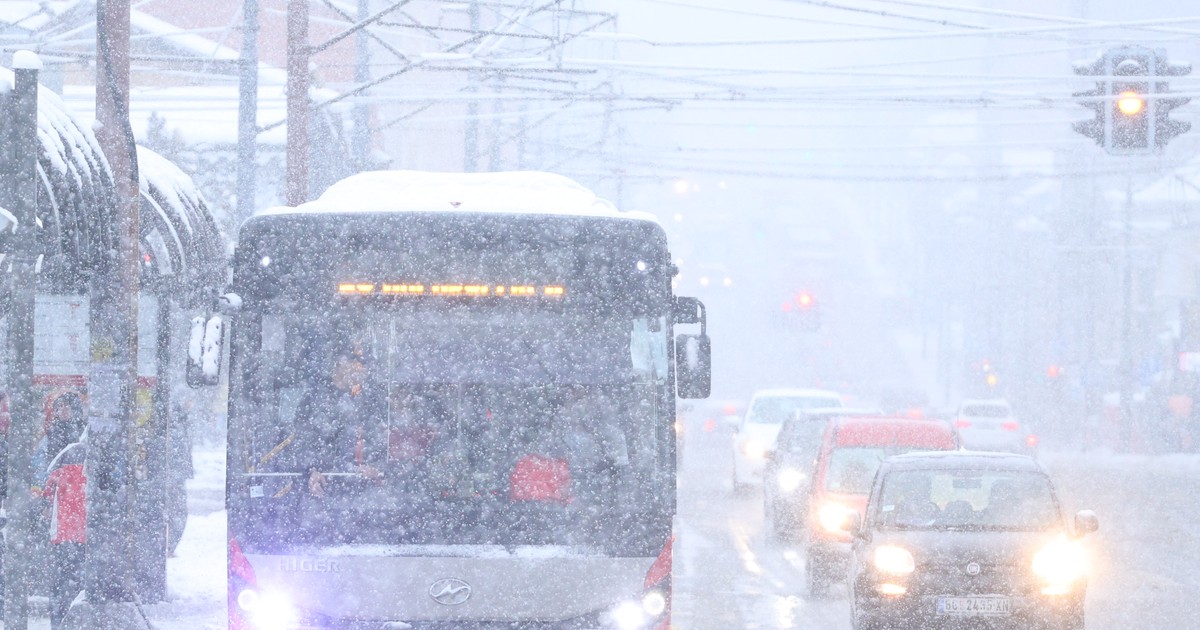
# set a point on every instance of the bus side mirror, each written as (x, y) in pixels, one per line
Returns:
(204, 351)
(693, 365)
(687, 310)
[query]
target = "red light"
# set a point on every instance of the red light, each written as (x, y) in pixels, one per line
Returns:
(787, 307)
(709, 425)
(916, 413)
(1053, 371)
(962, 424)
(1009, 426)
(1031, 440)
(729, 410)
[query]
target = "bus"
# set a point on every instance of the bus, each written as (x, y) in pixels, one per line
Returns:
(452, 403)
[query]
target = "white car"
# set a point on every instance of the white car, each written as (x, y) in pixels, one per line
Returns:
(756, 430)
(988, 424)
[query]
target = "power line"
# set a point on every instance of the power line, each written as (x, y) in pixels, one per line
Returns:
(909, 36)
(776, 16)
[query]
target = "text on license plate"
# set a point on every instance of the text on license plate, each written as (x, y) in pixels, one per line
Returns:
(972, 606)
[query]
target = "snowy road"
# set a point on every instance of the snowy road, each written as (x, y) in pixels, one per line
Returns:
(730, 573)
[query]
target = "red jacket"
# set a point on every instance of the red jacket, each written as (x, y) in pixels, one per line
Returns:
(66, 486)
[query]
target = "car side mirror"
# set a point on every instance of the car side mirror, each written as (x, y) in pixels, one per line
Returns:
(1086, 522)
(852, 524)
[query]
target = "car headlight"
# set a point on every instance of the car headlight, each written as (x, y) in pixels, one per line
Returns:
(894, 560)
(834, 517)
(1060, 563)
(754, 449)
(789, 479)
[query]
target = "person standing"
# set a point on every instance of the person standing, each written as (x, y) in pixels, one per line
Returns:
(66, 485)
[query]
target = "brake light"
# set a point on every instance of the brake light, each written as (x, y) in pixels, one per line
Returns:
(1031, 440)
(1009, 426)
(962, 423)
(729, 410)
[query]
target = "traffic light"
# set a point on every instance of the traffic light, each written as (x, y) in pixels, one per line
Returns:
(803, 310)
(1132, 111)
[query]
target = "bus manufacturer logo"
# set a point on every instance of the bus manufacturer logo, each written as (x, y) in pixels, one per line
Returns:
(973, 568)
(309, 565)
(450, 591)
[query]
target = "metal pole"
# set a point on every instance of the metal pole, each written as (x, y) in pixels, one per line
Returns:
(362, 74)
(1127, 372)
(112, 381)
(248, 111)
(297, 102)
(471, 135)
(20, 190)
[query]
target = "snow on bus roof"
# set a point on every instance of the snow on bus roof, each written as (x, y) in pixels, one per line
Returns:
(526, 192)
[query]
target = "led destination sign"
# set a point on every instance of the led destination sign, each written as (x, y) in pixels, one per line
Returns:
(449, 290)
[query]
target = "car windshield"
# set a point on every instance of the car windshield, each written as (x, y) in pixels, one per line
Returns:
(801, 436)
(851, 469)
(967, 499)
(776, 409)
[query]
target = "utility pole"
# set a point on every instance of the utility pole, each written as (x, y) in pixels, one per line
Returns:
(471, 135)
(297, 102)
(362, 74)
(112, 379)
(19, 190)
(1124, 440)
(247, 111)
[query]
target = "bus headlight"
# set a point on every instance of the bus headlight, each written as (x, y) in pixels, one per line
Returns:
(629, 616)
(894, 560)
(654, 603)
(834, 517)
(754, 449)
(790, 479)
(1060, 564)
(267, 611)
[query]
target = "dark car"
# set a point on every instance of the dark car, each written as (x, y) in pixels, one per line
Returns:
(790, 468)
(970, 537)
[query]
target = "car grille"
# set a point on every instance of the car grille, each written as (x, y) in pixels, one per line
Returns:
(952, 578)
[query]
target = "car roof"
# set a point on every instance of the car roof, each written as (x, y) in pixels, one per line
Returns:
(892, 431)
(970, 460)
(796, 393)
(825, 412)
(997, 402)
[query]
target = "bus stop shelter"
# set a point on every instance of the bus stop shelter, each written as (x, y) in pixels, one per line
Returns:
(183, 259)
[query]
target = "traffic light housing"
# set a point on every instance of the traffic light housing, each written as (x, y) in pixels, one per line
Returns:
(1132, 111)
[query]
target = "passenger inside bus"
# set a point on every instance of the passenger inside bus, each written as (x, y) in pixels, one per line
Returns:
(597, 449)
(339, 424)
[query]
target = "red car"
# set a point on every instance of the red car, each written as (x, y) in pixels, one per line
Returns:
(851, 451)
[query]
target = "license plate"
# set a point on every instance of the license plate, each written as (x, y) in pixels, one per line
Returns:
(974, 606)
